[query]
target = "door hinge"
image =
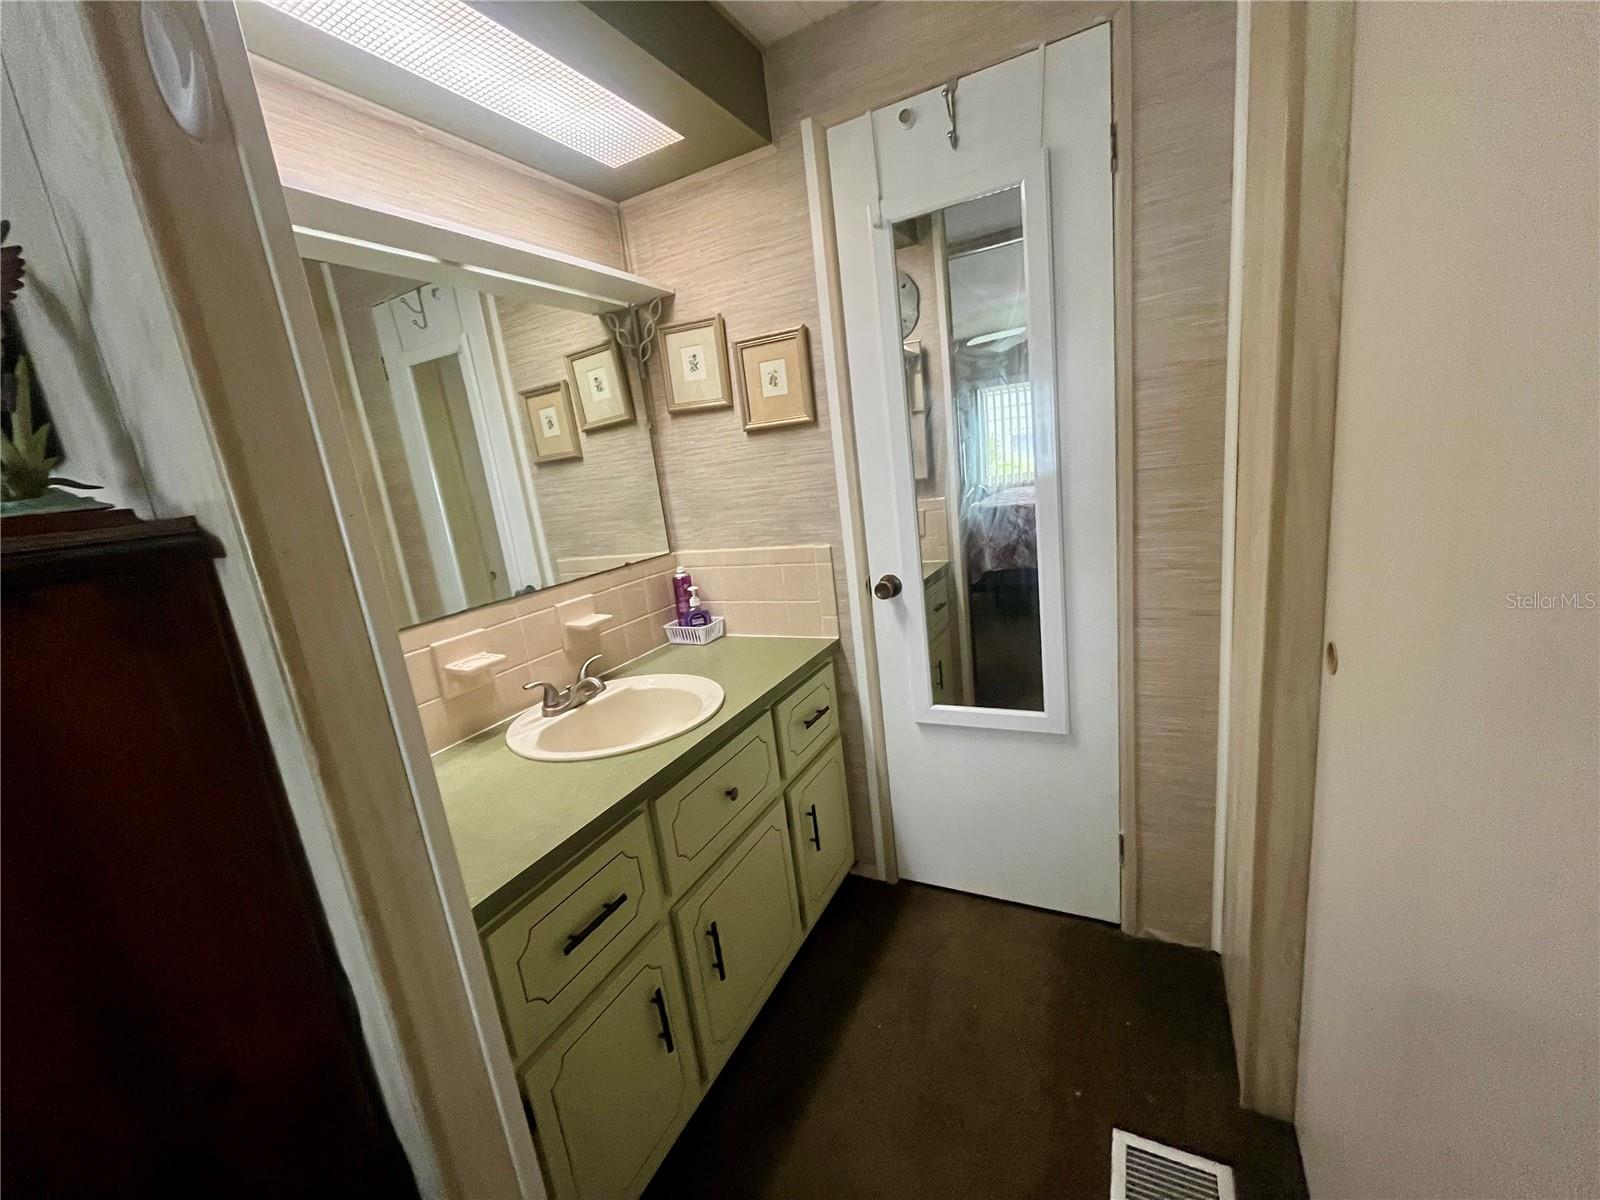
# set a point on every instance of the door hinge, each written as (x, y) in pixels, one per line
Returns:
(1121, 848)
(1113, 147)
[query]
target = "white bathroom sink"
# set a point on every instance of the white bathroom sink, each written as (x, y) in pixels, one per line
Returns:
(630, 714)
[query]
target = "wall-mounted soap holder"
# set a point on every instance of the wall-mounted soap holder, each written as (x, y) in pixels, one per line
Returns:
(462, 664)
(474, 664)
(590, 623)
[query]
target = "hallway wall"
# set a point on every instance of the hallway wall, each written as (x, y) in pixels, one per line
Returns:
(1448, 1042)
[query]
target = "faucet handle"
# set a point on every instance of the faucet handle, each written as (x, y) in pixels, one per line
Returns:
(583, 671)
(551, 691)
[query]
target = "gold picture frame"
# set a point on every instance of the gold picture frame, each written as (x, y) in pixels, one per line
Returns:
(600, 387)
(552, 425)
(775, 380)
(694, 361)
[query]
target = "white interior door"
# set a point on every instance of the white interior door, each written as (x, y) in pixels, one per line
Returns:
(1007, 786)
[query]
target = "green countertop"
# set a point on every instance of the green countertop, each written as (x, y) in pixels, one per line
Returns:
(514, 821)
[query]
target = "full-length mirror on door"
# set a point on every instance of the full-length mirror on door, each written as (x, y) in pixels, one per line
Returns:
(972, 422)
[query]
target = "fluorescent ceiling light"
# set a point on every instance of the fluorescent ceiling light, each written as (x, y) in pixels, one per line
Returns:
(454, 46)
(984, 338)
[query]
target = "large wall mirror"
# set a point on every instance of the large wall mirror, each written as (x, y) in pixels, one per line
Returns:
(501, 442)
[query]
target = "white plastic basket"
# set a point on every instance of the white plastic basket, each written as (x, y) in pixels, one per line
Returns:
(695, 635)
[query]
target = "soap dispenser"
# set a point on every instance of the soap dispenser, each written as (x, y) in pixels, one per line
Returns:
(697, 615)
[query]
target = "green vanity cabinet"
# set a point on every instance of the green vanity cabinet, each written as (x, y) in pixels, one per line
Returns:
(819, 819)
(551, 952)
(637, 911)
(806, 719)
(738, 929)
(614, 1089)
(702, 816)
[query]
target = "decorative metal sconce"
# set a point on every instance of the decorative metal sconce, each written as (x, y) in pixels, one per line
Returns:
(635, 329)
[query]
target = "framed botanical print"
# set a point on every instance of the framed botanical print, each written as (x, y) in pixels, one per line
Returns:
(694, 358)
(601, 386)
(555, 432)
(775, 380)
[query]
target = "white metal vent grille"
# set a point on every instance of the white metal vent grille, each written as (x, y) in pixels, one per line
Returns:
(1146, 1170)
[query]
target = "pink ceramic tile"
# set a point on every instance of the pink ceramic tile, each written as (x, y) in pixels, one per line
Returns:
(825, 590)
(614, 648)
(804, 620)
(631, 601)
(557, 669)
(508, 693)
(658, 591)
(541, 632)
(767, 618)
(435, 725)
(800, 583)
(639, 639)
(424, 683)
(766, 583)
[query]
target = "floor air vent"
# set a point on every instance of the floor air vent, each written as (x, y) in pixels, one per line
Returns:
(1146, 1170)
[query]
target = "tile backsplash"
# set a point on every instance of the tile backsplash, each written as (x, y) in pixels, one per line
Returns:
(770, 591)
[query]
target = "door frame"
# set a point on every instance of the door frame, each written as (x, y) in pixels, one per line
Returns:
(847, 472)
(1109, 479)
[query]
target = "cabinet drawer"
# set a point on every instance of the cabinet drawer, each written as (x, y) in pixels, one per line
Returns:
(738, 929)
(806, 718)
(613, 1091)
(549, 953)
(819, 823)
(937, 599)
(700, 818)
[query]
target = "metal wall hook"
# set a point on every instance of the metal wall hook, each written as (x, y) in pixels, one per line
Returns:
(949, 94)
(420, 311)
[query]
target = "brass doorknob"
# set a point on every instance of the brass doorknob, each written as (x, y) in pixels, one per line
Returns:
(887, 587)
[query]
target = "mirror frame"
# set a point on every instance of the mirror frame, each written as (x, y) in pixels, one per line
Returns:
(1032, 175)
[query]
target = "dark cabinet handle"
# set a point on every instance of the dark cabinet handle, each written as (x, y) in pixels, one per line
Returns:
(816, 830)
(665, 1035)
(939, 607)
(938, 677)
(716, 949)
(732, 793)
(815, 717)
(574, 940)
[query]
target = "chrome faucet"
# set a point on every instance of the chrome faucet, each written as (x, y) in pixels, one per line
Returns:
(559, 700)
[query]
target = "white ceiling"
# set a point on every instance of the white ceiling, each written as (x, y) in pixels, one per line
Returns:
(769, 21)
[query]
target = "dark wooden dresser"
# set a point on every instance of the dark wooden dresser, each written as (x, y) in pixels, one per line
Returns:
(174, 1019)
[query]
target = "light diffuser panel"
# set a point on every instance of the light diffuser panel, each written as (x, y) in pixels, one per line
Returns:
(453, 45)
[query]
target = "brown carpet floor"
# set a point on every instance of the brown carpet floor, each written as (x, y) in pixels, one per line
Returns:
(926, 1043)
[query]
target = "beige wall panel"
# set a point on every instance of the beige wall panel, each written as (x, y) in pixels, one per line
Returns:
(1182, 159)
(607, 502)
(1448, 1041)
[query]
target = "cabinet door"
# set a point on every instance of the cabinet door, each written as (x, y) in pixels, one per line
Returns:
(943, 668)
(738, 930)
(613, 1090)
(819, 821)
(806, 718)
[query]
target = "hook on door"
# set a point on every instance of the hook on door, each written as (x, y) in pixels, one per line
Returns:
(949, 94)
